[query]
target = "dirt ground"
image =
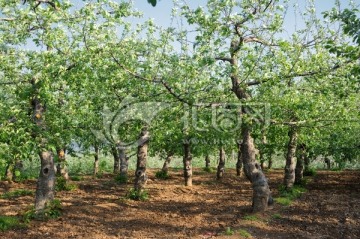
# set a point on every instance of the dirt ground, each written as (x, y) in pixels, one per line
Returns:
(210, 209)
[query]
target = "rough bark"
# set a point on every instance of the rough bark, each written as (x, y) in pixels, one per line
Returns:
(289, 177)
(187, 160)
(165, 168)
(207, 161)
(116, 156)
(328, 163)
(46, 182)
(124, 165)
(96, 159)
(239, 163)
(61, 168)
(270, 162)
(299, 170)
(140, 172)
(252, 169)
(9, 172)
(221, 166)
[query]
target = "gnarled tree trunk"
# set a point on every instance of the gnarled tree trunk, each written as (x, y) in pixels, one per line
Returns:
(124, 165)
(221, 166)
(46, 181)
(116, 156)
(239, 163)
(252, 169)
(96, 159)
(289, 177)
(187, 164)
(140, 172)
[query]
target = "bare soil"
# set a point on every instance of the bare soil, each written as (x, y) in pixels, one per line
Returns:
(210, 209)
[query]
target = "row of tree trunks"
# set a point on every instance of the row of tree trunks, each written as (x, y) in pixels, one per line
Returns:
(221, 165)
(289, 176)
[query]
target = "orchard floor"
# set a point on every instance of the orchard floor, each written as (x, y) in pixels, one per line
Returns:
(210, 209)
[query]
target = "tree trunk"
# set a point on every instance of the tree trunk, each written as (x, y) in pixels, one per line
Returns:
(270, 162)
(140, 172)
(328, 163)
(9, 172)
(115, 153)
(207, 161)
(289, 177)
(252, 169)
(96, 159)
(262, 161)
(124, 165)
(61, 169)
(165, 168)
(46, 182)
(261, 191)
(221, 165)
(239, 163)
(187, 164)
(299, 170)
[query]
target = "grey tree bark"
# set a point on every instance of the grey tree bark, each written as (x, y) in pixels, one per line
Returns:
(124, 164)
(221, 166)
(289, 177)
(187, 161)
(96, 159)
(140, 172)
(115, 153)
(239, 163)
(166, 164)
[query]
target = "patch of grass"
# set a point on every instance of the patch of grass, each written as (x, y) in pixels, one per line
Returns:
(162, 175)
(10, 222)
(76, 178)
(251, 218)
(138, 195)
(63, 185)
(229, 231)
(208, 170)
(276, 216)
(244, 233)
(52, 210)
(310, 172)
(17, 193)
(120, 178)
(283, 201)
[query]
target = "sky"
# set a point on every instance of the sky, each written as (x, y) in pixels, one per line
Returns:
(161, 13)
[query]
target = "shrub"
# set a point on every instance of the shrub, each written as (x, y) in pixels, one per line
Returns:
(62, 185)
(310, 172)
(52, 210)
(208, 169)
(120, 178)
(9, 222)
(138, 195)
(161, 175)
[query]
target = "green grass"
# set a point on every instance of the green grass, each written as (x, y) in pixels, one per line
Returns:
(244, 233)
(208, 170)
(288, 195)
(276, 216)
(17, 193)
(121, 178)
(63, 185)
(10, 222)
(76, 178)
(162, 175)
(229, 231)
(52, 210)
(138, 195)
(251, 218)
